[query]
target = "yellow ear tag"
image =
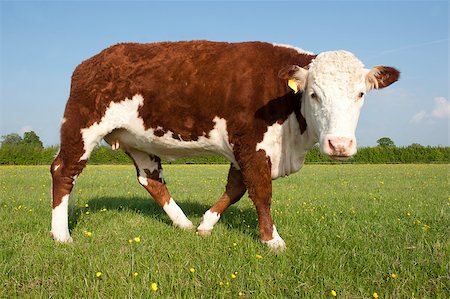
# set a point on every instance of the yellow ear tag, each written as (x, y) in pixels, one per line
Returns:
(293, 85)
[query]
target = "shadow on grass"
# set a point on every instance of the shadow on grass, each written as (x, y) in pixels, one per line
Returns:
(232, 218)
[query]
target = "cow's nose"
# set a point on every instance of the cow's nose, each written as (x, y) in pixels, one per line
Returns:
(340, 146)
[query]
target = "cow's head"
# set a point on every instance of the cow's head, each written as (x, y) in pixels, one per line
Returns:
(333, 90)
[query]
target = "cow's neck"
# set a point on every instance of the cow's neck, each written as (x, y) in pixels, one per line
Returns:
(286, 146)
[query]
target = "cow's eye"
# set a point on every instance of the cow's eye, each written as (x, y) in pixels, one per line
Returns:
(360, 95)
(313, 95)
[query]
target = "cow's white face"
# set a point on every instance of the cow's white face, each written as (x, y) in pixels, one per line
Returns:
(333, 91)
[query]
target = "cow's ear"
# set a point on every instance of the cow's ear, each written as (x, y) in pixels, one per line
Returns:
(295, 76)
(381, 76)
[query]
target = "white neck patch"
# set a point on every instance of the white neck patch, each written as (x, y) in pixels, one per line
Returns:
(285, 146)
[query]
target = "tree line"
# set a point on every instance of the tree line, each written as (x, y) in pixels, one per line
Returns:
(29, 150)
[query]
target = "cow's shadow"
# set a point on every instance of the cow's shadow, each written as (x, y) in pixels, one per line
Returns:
(243, 219)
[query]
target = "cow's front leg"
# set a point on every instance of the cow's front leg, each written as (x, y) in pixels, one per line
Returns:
(258, 179)
(262, 197)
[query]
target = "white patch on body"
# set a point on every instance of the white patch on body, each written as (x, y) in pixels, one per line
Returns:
(56, 167)
(123, 124)
(276, 244)
(122, 114)
(208, 221)
(176, 215)
(299, 50)
(285, 146)
(60, 221)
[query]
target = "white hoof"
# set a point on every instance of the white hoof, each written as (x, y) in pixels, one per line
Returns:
(186, 225)
(276, 245)
(208, 221)
(62, 238)
(177, 216)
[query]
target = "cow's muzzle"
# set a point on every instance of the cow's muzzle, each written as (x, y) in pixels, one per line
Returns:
(339, 148)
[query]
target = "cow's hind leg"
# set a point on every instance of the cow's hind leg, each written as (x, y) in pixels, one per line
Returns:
(77, 143)
(149, 173)
(66, 167)
(234, 190)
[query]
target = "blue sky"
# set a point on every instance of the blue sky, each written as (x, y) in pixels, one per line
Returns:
(43, 42)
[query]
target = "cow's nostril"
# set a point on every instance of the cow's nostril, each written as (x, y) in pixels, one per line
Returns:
(330, 144)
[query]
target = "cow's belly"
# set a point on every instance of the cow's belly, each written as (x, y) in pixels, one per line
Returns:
(121, 125)
(171, 148)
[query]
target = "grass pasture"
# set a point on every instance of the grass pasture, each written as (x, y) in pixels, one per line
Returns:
(352, 229)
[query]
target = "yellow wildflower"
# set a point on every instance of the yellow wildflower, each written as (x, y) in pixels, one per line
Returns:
(88, 234)
(221, 284)
(137, 239)
(333, 293)
(234, 244)
(375, 295)
(87, 213)
(234, 275)
(154, 286)
(86, 205)
(135, 274)
(192, 270)
(393, 275)
(258, 256)
(241, 294)
(98, 274)
(130, 241)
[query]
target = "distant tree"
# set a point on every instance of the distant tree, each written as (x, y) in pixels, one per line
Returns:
(385, 142)
(31, 138)
(11, 140)
(416, 145)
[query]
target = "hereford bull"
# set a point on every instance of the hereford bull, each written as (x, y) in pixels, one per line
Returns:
(260, 105)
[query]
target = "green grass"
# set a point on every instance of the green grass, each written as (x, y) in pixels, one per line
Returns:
(347, 228)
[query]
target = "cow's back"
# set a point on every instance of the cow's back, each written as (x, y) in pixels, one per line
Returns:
(185, 85)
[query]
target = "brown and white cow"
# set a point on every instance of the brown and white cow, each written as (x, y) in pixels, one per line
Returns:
(198, 97)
